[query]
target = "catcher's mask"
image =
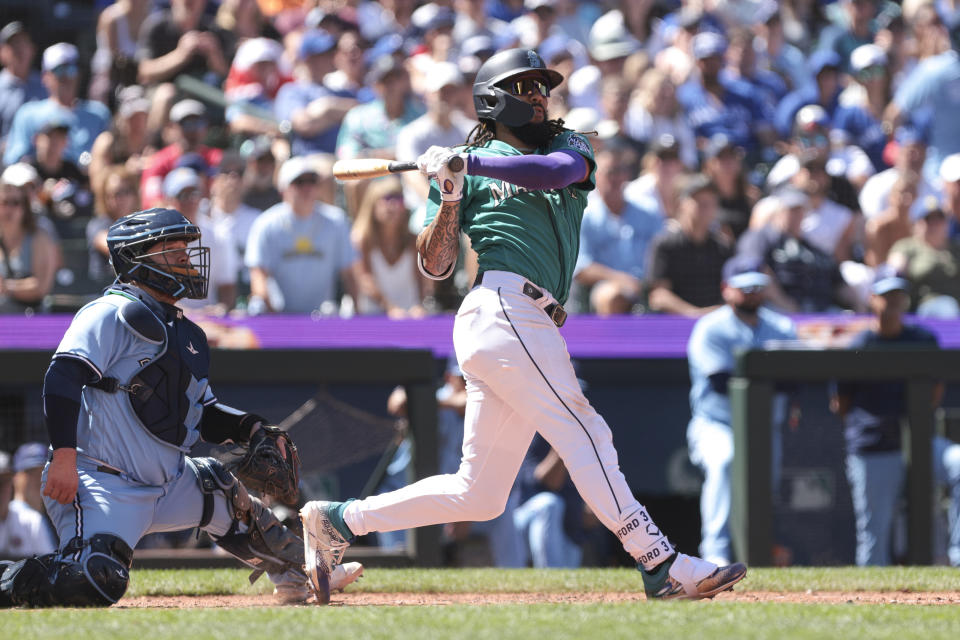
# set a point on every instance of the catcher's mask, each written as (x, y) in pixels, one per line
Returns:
(494, 102)
(140, 251)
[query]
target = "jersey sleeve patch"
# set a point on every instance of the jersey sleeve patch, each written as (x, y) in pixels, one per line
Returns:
(576, 141)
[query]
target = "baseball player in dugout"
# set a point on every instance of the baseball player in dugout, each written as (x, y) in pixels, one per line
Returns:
(125, 398)
(519, 196)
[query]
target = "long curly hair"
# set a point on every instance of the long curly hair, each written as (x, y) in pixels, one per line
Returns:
(485, 131)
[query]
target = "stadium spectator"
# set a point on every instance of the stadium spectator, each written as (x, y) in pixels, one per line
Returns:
(854, 27)
(863, 101)
(847, 165)
(115, 195)
(922, 89)
(912, 141)
(259, 189)
(127, 141)
(610, 45)
(370, 130)
(871, 414)
(822, 88)
(313, 110)
(114, 64)
(28, 462)
(894, 224)
(473, 19)
(22, 529)
(656, 187)
(741, 64)
(183, 190)
(28, 256)
(804, 278)
(189, 120)
(19, 83)
(829, 226)
(251, 87)
(774, 52)
(183, 40)
(299, 251)
(949, 175)
(351, 61)
(64, 186)
(654, 112)
(61, 78)
(686, 260)
(614, 236)
(388, 280)
(715, 104)
(436, 46)
(723, 164)
(443, 124)
(230, 215)
(930, 260)
(742, 323)
(245, 20)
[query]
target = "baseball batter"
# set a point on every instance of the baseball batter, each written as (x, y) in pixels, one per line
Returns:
(126, 397)
(520, 199)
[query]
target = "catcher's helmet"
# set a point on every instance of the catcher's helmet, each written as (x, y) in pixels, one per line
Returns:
(492, 102)
(131, 241)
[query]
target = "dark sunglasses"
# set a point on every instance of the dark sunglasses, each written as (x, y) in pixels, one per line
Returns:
(193, 124)
(304, 181)
(871, 73)
(65, 71)
(11, 202)
(525, 86)
(814, 140)
(757, 288)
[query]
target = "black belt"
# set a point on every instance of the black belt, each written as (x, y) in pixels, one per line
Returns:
(110, 470)
(555, 310)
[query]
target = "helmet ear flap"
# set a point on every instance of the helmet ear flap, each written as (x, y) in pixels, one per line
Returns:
(507, 109)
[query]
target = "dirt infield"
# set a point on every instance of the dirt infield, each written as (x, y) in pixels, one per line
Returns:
(441, 599)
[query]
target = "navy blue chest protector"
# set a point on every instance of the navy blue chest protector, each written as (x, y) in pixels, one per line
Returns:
(158, 391)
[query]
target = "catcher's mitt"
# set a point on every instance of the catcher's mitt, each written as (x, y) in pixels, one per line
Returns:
(271, 465)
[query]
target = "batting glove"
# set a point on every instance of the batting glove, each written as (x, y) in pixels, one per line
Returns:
(434, 163)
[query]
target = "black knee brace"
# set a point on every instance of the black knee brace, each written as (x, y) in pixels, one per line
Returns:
(98, 579)
(265, 545)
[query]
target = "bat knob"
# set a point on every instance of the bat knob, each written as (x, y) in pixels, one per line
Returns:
(455, 164)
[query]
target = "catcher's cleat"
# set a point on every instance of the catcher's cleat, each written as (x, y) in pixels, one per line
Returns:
(323, 545)
(299, 593)
(690, 578)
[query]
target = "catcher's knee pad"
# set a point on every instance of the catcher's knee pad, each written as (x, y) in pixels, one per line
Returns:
(214, 478)
(266, 544)
(87, 573)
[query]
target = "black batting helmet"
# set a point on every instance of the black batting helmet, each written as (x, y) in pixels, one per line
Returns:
(492, 102)
(131, 241)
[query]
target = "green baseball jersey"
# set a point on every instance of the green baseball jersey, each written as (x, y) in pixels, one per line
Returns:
(535, 234)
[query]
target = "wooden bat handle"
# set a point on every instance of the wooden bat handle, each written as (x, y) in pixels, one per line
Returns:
(361, 168)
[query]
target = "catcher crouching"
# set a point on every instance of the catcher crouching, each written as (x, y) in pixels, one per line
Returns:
(125, 398)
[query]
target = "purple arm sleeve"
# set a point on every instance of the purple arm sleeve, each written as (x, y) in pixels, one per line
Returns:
(552, 171)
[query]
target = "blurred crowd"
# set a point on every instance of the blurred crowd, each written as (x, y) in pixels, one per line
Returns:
(816, 135)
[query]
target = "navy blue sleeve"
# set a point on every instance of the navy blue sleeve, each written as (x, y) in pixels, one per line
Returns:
(62, 387)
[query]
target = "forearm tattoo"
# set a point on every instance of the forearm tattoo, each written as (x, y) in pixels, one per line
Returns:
(439, 243)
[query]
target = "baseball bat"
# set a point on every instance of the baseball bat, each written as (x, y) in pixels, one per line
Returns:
(363, 168)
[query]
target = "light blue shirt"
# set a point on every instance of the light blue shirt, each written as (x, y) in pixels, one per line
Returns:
(14, 93)
(303, 256)
(618, 242)
(935, 83)
(714, 343)
(367, 126)
(108, 429)
(91, 119)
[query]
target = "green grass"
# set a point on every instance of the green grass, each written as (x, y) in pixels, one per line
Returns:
(659, 620)
(220, 581)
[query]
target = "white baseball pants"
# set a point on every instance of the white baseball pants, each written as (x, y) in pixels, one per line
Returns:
(519, 381)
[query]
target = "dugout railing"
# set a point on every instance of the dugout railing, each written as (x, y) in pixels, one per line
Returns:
(751, 395)
(415, 369)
